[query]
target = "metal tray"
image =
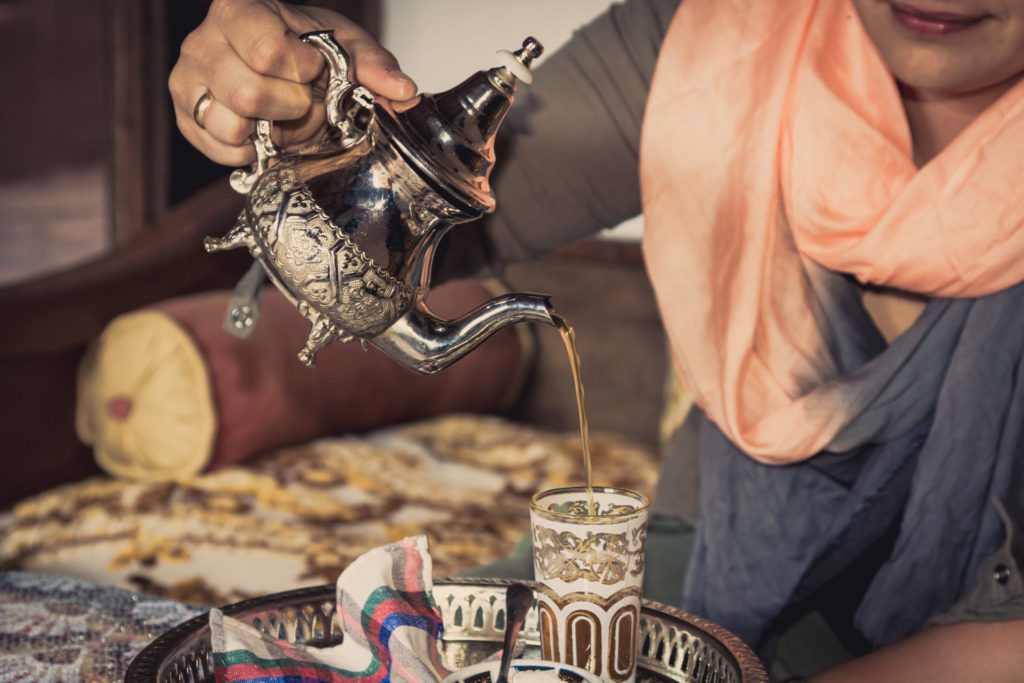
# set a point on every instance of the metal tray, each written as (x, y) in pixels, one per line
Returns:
(676, 645)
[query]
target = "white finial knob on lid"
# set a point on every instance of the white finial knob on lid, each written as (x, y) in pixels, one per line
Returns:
(518, 62)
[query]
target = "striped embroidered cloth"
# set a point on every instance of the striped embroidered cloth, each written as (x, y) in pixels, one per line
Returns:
(390, 622)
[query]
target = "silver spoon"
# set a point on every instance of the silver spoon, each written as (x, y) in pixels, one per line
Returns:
(518, 600)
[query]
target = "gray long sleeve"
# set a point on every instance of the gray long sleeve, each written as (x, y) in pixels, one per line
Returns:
(567, 154)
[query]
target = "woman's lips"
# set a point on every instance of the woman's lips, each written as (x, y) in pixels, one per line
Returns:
(931, 24)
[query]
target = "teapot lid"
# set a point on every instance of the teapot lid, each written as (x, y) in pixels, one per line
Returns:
(448, 138)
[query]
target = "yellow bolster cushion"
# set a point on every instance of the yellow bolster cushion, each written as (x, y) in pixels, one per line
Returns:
(144, 399)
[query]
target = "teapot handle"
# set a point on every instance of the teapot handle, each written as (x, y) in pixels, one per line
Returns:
(349, 109)
(349, 106)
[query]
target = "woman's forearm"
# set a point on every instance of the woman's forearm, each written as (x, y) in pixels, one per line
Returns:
(990, 652)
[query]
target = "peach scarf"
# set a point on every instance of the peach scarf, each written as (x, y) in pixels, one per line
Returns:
(775, 143)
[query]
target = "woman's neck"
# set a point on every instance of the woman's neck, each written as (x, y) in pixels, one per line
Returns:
(936, 118)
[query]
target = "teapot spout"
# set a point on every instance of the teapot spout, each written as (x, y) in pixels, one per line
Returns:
(427, 344)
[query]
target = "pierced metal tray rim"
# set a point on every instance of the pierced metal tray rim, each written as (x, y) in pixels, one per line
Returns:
(146, 664)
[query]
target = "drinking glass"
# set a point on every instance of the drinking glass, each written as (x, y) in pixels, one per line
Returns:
(589, 570)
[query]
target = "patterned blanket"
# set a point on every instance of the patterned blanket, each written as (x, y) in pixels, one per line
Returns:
(299, 516)
(55, 629)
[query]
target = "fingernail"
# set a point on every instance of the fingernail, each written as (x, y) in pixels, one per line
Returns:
(399, 74)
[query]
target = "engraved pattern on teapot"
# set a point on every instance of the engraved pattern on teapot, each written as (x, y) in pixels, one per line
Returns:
(305, 247)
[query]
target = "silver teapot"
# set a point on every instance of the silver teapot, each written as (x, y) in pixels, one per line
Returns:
(349, 231)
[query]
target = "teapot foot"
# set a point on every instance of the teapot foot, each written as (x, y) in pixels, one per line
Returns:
(322, 333)
(238, 236)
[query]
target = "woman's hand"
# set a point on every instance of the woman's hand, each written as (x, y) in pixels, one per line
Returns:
(247, 55)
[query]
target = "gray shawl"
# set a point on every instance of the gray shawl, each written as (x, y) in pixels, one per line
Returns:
(923, 464)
